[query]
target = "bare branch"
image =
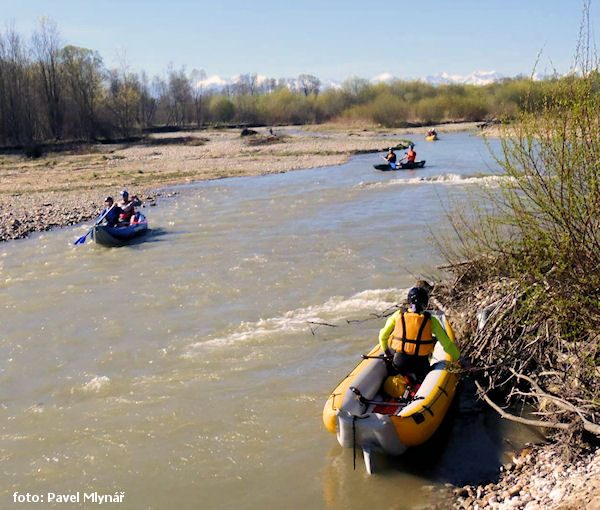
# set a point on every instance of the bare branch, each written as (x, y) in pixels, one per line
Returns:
(519, 419)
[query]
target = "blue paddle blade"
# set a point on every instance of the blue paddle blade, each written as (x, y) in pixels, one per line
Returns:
(81, 240)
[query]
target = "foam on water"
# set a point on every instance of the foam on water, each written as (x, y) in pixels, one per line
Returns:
(488, 181)
(96, 384)
(335, 310)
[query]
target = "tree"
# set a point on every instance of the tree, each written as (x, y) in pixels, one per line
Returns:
(83, 70)
(124, 97)
(245, 84)
(19, 120)
(148, 100)
(197, 78)
(309, 84)
(529, 252)
(222, 109)
(355, 87)
(46, 48)
(180, 97)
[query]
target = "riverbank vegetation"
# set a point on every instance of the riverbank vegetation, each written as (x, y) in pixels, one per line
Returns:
(528, 261)
(51, 92)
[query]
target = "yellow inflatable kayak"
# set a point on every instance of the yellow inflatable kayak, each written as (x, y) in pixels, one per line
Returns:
(431, 138)
(362, 415)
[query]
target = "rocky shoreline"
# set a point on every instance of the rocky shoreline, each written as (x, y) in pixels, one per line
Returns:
(539, 478)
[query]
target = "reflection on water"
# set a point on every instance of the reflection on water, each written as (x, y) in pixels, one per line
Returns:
(183, 369)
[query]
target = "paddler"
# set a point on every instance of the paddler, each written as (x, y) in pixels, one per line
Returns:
(391, 158)
(409, 336)
(111, 212)
(411, 155)
(127, 205)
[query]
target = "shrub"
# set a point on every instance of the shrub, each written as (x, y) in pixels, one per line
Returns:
(221, 108)
(535, 243)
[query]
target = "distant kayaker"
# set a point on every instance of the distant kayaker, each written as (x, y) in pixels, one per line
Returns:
(391, 156)
(127, 205)
(408, 337)
(111, 212)
(411, 155)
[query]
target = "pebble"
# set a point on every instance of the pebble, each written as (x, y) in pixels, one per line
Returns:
(540, 479)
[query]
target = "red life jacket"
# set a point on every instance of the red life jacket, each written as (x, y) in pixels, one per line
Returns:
(126, 214)
(411, 156)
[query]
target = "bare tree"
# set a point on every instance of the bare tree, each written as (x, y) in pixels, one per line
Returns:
(19, 123)
(246, 84)
(309, 84)
(197, 88)
(124, 97)
(148, 100)
(180, 97)
(268, 86)
(355, 87)
(47, 50)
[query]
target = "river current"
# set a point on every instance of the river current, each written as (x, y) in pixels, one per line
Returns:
(190, 370)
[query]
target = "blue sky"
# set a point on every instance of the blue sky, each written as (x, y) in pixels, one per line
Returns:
(330, 39)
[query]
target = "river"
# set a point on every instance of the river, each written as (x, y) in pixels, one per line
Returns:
(186, 371)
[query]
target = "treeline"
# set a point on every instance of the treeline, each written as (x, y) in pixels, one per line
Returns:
(51, 92)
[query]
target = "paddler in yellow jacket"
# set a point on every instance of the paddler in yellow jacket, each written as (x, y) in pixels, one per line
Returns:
(408, 337)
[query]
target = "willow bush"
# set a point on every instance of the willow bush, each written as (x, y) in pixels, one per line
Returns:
(528, 257)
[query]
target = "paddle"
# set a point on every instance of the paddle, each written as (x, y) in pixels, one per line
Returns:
(132, 203)
(82, 239)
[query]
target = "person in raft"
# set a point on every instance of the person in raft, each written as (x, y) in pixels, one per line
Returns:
(127, 205)
(411, 155)
(391, 157)
(408, 337)
(111, 212)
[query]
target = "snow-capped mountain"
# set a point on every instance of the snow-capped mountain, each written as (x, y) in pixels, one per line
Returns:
(476, 78)
(212, 83)
(384, 77)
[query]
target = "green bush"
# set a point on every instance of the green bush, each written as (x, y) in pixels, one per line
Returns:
(221, 109)
(284, 106)
(537, 239)
(246, 109)
(388, 110)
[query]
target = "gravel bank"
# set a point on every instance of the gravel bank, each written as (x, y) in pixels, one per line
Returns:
(539, 478)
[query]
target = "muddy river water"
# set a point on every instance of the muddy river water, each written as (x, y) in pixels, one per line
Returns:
(186, 371)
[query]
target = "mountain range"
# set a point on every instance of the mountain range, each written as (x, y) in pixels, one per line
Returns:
(475, 78)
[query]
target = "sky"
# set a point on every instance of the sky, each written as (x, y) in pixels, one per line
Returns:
(330, 39)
